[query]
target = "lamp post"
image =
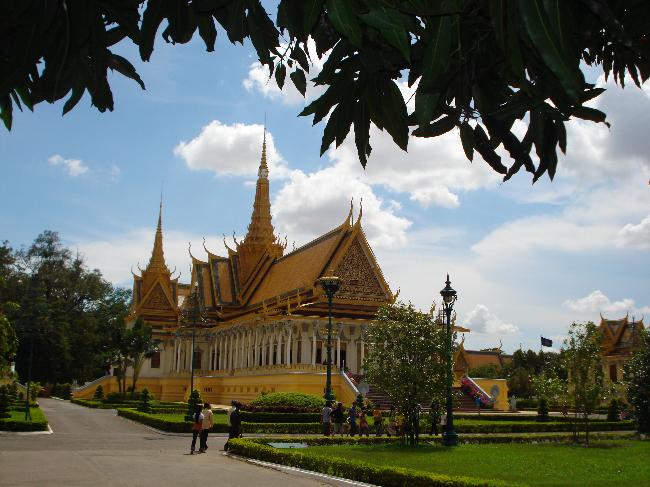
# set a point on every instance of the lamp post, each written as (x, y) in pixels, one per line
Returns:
(449, 437)
(192, 316)
(330, 285)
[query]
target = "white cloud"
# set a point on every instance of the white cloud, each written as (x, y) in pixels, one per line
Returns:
(482, 320)
(636, 236)
(231, 150)
(597, 302)
(312, 204)
(74, 167)
(116, 255)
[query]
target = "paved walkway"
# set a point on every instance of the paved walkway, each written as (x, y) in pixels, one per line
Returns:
(94, 447)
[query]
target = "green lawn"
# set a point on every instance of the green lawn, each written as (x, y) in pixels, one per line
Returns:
(16, 422)
(611, 463)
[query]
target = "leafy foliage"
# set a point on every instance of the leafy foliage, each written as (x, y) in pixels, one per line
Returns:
(288, 399)
(549, 387)
(478, 66)
(584, 363)
(65, 308)
(406, 359)
(5, 401)
(637, 383)
(99, 393)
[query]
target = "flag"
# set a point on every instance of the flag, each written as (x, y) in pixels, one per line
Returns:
(546, 342)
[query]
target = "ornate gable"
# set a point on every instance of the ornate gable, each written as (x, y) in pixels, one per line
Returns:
(157, 300)
(358, 273)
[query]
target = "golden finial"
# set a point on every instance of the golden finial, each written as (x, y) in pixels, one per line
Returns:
(157, 261)
(360, 210)
(351, 215)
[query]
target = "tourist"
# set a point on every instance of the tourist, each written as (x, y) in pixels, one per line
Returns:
(235, 424)
(208, 422)
(326, 418)
(352, 419)
(197, 426)
(443, 421)
(363, 424)
(392, 424)
(434, 415)
(378, 421)
(337, 415)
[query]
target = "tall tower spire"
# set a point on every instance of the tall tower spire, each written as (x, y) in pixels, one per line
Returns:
(259, 238)
(157, 261)
(260, 229)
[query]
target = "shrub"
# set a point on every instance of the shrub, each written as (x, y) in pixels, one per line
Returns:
(63, 391)
(542, 410)
(281, 428)
(354, 469)
(17, 423)
(264, 417)
(532, 426)
(99, 393)
(527, 403)
(173, 425)
(613, 410)
(289, 399)
(5, 401)
(279, 409)
(145, 405)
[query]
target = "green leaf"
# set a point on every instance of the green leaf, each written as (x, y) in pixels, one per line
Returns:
(392, 26)
(344, 19)
(207, 30)
(362, 132)
(587, 113)
(151, 19)
(6, 109)
(548, 44)
(483, 147)
(311, 11)
(280, 74)
(395, 116)
(124, 67)
(299, 55)
(299, 81)
(77, 92)
(467, 139)
(425, 106)
(439, 127)
(436, 55)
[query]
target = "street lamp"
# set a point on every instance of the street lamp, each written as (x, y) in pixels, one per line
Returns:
(449, 437)
(330, 285)
(192, 317)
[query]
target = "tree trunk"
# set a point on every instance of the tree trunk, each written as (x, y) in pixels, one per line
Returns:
(586, 429)
(137, 366)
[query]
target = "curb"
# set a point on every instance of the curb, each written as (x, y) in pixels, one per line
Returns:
(28, 433)
(294, 470)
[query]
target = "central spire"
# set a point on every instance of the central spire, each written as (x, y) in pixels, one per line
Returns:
(157, 261)
(260, 239)
(260, 229)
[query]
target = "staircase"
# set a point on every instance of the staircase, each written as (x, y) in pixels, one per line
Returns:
(378, 398)
(462, 401)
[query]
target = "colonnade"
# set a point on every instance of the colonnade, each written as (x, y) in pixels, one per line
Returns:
(284, 343)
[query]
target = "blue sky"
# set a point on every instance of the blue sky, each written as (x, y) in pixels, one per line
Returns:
(526, 260)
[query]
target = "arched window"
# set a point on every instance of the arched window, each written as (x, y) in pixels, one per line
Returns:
(197, 358)
(155, 360)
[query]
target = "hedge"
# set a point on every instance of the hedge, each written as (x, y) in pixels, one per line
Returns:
(511, 417)
(282, 428)
(157, 407)
(472, 426)
(165, 424)
(17, 423)
(264, 417)
(354, 469)
(289, 399)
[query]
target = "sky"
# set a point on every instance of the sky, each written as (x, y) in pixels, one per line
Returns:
(526, 260)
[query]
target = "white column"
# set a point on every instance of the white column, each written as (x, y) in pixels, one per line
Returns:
(304, 345)
(264, 345)
(173, 367)
(338, 346)
(289, 330)
(278, 348)
(313, 343)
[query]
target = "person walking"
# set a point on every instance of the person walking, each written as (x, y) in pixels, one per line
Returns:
(378, 421)
(235, 424)
(364, 429)
(197, 426)
(326, 418)
(208, 422)
(352, 419)
(392, 423)
(337, 415)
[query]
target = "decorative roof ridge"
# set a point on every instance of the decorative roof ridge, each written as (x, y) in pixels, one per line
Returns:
(315, 241)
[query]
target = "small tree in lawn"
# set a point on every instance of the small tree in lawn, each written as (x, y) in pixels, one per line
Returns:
(141, 347)
(550, 390)
(637, 383)
(406, 360)
(99, 393)
(145, 401)
(584, 365)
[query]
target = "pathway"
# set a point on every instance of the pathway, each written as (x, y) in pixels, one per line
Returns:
(94, 447)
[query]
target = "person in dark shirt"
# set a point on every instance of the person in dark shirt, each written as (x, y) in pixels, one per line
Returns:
(235, 424)
(338, 415)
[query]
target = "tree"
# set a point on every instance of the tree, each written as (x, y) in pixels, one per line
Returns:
(637, 383)
(478, 65)
(584, 364)
(141, 346)
(549, 389)
(8, 339)
(406, 360)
